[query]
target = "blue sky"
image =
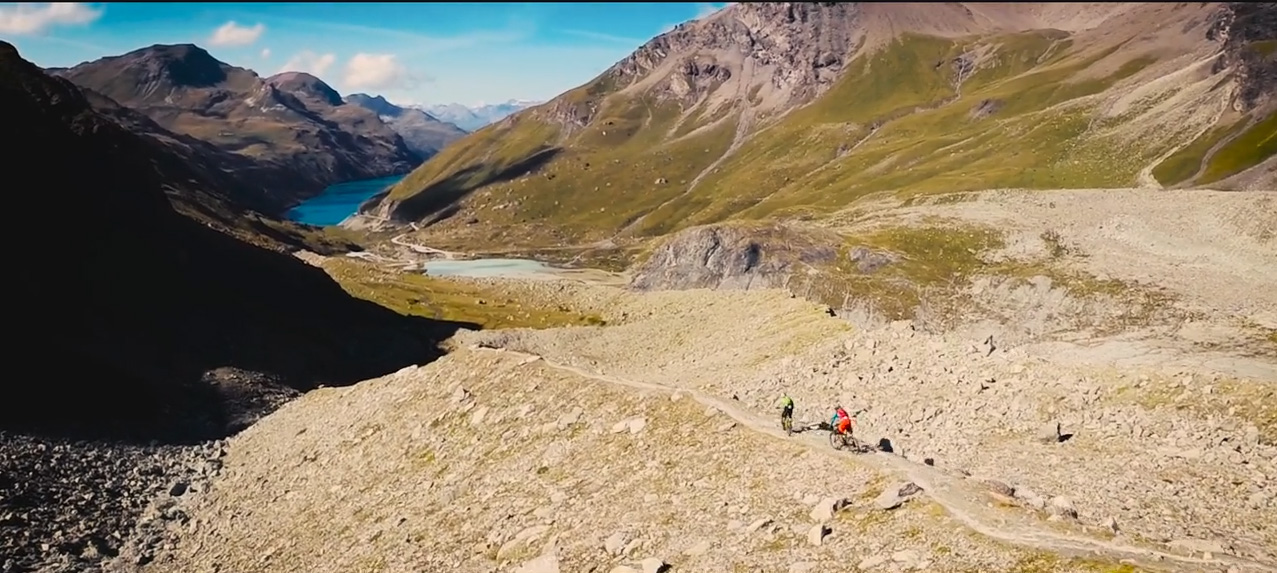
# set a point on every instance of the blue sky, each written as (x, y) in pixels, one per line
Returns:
(411, 53)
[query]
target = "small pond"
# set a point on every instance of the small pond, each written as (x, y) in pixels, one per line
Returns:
(486, 268)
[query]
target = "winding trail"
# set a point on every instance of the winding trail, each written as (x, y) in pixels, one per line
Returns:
(398, 240)
(956, 495)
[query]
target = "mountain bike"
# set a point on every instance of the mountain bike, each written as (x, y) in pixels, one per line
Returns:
(848, 441)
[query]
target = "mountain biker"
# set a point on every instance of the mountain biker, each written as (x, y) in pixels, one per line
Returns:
(840, 421)
(786, 412)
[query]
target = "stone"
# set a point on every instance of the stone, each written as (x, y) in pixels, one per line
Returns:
(1049, 433)
(1061, 506)
(907, 556)
(826, 508)
(816, 535)
(1000, 488)
(614, 543)
(896, 495)
(653, 565)
(758, 524)
(1030, 498)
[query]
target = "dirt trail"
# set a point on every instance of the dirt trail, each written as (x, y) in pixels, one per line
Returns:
(952, 493)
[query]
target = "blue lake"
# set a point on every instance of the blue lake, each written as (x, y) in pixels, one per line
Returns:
(339, 201)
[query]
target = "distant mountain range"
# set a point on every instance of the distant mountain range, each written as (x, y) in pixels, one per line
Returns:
(473, 118)
(421, 131)
(295, 127)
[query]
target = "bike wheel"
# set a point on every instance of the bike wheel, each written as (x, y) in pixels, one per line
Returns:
(835, 441)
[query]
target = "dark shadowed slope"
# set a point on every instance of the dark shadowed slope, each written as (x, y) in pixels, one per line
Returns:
(123, 306)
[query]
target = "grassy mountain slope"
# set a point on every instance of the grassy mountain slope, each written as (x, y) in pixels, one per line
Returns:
(146, 323)
(292, 122)
(755, 112)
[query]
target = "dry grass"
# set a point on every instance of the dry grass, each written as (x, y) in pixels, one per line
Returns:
(415, 294)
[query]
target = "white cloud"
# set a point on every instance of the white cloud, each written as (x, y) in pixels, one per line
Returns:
(377, 72)
(309, 62)
(704, 9)
(232, 34)
(34, 18)
(604, 37)
(265, 53)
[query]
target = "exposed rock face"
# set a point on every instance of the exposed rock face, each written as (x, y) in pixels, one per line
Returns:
(293, 121)
(805, 44)
(728, 257)
(422, 132)
(1248, 31)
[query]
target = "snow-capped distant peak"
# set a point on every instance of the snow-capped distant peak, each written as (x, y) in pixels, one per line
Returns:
(474, 117)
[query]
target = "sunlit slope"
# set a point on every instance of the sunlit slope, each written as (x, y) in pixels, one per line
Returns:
(705, 136)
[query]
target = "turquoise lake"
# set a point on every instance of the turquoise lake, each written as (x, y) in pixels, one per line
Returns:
(339, 201)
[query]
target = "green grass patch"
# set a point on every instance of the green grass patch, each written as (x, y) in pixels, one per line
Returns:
(1253, 146)
(1185, 163)
(1263, 47)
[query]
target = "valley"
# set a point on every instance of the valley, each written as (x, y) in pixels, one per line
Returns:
(1032, 246)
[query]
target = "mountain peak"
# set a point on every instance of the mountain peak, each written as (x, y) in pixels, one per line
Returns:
(182, 64)
(377, 104)
(305, 84)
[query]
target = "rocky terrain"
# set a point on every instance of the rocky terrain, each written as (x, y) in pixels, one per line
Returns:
(161, 330)
(761, 111)
(1026, 436)
(293, 122)
(421, 132)
(1047, 379)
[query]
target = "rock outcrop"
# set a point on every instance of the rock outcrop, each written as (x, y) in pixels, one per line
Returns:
(294, 122)
(733, 257)
(1248, 32)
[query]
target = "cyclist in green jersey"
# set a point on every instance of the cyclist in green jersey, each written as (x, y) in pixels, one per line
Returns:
(787, 413)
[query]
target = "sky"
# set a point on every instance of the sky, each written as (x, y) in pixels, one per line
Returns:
(412, 53)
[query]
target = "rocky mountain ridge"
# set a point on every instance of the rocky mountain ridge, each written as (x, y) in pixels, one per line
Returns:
(770, 110)
(421, 132)
(292, 122)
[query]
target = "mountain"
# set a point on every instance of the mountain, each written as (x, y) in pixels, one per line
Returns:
(422, 132)
(473, 118)
(152, 324)
(292, 120)
(800, 110)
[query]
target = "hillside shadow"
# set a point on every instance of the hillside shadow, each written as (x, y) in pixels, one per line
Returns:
(119, 306)
(437, 199)
(124, 347)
